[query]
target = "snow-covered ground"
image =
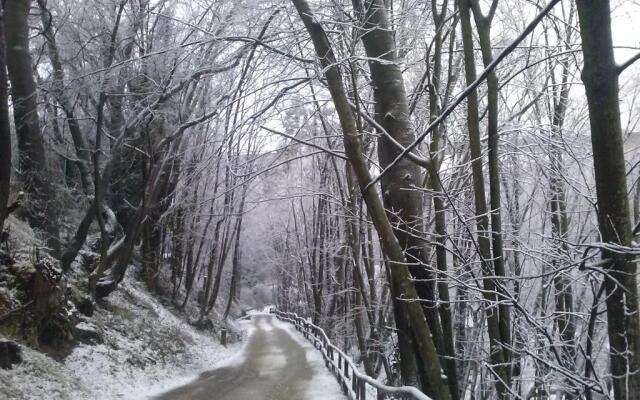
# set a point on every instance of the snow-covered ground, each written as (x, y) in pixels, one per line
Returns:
(146, 350)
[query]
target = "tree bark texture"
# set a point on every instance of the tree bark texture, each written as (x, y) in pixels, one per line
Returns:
(600, 77)
(41, 205)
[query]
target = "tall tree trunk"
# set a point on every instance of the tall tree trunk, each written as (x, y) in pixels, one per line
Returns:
(5, 131)
(236, 263)
(177, 251)
(152, 230)
(402, 286)
(566, 319)
(400, 196)
(439, 199)
(600, 77)
(483, 26)
(37, 179)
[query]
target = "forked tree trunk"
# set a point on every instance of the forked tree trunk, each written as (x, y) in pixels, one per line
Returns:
(483, 26)
(490, 293)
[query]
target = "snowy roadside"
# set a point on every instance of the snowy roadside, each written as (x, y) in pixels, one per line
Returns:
(144, 350)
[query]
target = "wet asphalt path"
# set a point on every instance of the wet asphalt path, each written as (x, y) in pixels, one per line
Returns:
(272, 366)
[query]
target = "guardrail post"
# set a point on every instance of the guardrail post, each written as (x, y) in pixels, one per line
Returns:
(363, 390)
(223, 337)
(314, 331)
(333, 366)
(381, 395)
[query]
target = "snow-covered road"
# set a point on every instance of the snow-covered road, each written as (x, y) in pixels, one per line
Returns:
(276, 364)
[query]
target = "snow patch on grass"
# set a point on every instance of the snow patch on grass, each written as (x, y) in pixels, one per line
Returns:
(38, 377)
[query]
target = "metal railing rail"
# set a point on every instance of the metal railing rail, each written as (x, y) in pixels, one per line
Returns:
(353, 382)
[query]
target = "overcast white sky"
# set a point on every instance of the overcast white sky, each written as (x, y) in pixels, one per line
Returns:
(626, 27)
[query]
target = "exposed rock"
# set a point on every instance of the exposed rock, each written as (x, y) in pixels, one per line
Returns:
(10, 353)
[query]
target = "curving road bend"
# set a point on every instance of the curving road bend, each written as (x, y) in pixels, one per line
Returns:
(272, 366)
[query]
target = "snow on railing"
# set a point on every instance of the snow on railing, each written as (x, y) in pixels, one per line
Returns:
(353, 382)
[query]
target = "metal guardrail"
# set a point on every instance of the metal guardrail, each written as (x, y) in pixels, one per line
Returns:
(353, 382)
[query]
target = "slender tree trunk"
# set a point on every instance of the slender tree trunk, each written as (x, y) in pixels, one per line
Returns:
(235, 264)
(177, 252)
(566, 318)
(439, 201)
(360, 298)
(483, 25)
(5, 131)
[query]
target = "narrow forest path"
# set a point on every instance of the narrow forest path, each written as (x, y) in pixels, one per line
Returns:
(273, 365)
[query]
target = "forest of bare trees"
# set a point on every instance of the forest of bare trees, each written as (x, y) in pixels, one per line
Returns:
(450, 188)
